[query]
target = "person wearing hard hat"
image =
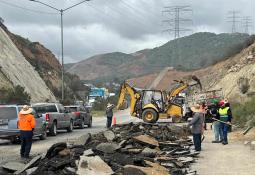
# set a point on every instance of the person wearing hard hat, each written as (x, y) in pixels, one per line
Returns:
(197, 123)
(26, 125)
(109, 114)
(225, 120)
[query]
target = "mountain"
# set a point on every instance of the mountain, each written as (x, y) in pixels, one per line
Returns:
(188, 53)
(235, 76)
(16, 71)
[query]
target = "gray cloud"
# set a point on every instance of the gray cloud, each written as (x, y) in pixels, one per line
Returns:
(101, 26)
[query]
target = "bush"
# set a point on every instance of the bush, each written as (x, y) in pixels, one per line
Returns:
(244, 114)
(243, 84)
(18, 95)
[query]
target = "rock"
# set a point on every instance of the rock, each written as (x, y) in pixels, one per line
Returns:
(147, 140)
(185, 159)
(154, 169)
(70, 169)
(122, 143)
(252, 145)
(13, 166)
(246, 143)
(88, 152)
(65, 152)
(29, 164)
(83, 140)
(92, 166)
(107, 147)
(149, 152)
(55, 149)
(31, 170)
(132, 151)
(109, 135)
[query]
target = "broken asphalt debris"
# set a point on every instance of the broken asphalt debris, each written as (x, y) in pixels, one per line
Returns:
(127, 149)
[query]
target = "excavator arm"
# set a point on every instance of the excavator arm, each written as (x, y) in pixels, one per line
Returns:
(183, 85)
(127, 89)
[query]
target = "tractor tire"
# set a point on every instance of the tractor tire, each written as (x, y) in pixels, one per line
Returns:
(150, 116)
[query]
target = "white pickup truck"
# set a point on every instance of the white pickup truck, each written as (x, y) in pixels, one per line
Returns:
(55, 116)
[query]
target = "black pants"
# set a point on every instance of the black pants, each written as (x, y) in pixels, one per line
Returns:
(26, 143)
(197, 141)
(109, 121)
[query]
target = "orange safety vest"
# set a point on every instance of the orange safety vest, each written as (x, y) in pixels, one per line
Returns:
(26, 122)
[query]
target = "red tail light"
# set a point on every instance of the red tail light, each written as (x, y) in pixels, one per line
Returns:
(77, 113)
(47, 117)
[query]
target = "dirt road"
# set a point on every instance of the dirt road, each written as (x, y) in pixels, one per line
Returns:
(231, 159)
(9, 151)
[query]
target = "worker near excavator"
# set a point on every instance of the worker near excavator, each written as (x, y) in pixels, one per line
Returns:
(26, 124)
(214, 113)
(225, 120)
(197, 126)
(109, 114)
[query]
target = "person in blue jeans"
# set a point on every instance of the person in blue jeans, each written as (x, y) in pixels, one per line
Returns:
(214, 112)
(109, 114)
(225, 121)
(197, 123)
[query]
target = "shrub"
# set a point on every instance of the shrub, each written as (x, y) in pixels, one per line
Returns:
(243, 84)
(243, 113)
(17, 95)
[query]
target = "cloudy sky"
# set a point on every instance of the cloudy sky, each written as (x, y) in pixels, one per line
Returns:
(101, 26)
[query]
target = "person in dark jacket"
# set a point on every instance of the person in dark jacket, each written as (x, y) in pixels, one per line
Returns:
(109, 114)
(225, 118)
(216, 124)
(197, 126)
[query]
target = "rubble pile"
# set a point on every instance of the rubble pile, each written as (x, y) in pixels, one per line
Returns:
(128, 149)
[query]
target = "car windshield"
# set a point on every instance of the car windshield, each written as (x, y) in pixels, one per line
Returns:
(8, 113)
(71, 109)
(45, 109)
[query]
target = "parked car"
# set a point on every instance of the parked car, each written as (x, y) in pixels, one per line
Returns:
(55, 116)
(8, 123)
(81, 115)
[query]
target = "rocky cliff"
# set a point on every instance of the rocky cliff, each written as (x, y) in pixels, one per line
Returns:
(16, 70)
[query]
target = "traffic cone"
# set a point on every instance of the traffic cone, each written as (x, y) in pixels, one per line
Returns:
(114, 122)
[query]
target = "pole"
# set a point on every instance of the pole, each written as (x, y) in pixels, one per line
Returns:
(62, 53)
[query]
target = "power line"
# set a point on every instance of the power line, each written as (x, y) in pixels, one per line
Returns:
(176, 20)
(234, 20)
(246, 23)
(26, 9)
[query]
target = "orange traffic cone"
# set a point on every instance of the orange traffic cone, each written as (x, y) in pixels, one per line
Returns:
(114, 122)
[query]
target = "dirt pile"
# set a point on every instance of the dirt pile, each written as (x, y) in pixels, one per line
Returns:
(126, 149)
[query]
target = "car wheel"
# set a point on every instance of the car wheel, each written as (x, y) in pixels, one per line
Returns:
(82, 124)
(90, 123)
(150, 116)
(43, 136)
(15, 140)
(70, 128)
(53, 129)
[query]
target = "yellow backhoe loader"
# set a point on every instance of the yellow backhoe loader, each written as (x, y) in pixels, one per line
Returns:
(151, 105)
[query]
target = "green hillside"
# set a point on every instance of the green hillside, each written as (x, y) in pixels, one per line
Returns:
(187, 53)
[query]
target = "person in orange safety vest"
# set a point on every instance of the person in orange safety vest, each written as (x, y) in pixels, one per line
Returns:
(26, 125)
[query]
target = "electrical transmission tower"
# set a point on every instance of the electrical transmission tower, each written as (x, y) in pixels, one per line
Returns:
(246, 23)
(176, 19)
(233, 16)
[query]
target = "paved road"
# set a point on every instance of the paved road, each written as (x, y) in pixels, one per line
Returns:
(231, 159)
(9, 151)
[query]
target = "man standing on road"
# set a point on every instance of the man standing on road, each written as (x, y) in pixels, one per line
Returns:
(109, 114)
(216, 124)
(26, 125)
(225, 119)
(197, 126)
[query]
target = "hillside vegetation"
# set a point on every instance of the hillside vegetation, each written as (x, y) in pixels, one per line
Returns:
(188, 53)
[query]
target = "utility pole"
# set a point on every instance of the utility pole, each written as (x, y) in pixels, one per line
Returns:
(61, 11)
(176, 19)
(234, 19)
(246, 23)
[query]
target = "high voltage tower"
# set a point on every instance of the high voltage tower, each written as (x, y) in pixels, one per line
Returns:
(177, 19)
(246, 23)
(234, 19)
